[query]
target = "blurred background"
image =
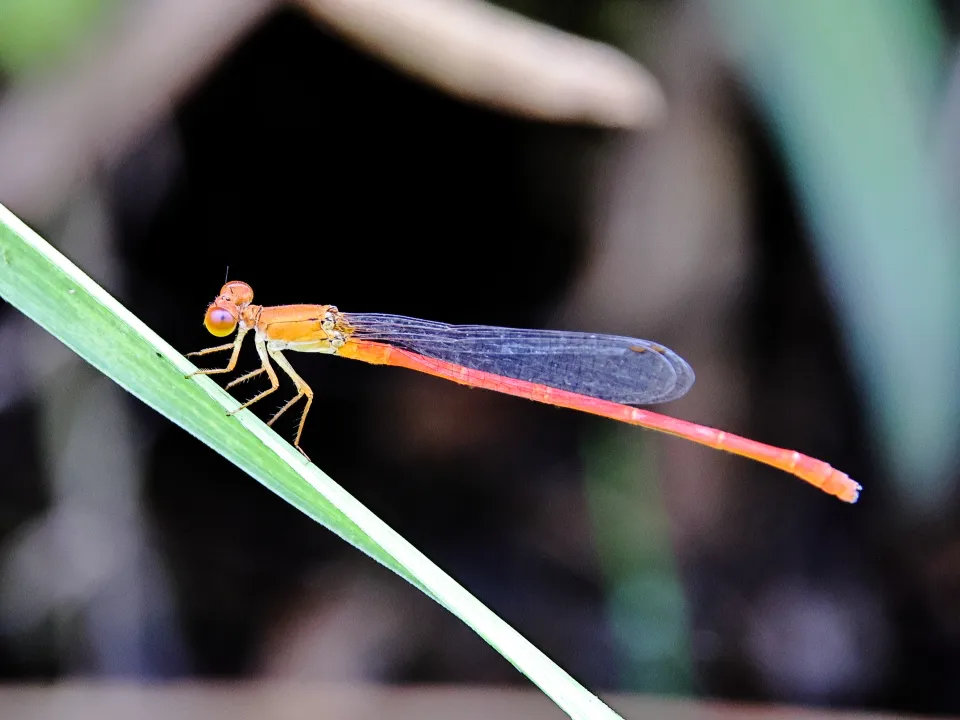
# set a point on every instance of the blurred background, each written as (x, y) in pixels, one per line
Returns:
(789, 225)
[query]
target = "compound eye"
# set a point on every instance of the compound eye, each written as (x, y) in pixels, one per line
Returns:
(219, 321)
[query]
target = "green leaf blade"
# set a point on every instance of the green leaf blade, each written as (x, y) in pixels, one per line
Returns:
(52, 291)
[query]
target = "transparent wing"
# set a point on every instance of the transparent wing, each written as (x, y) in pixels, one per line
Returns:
(610, 367)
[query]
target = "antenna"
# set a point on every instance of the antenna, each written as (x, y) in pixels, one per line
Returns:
(226, 275)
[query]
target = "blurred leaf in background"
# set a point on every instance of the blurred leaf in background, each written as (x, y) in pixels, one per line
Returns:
(851, 90)
(37, 32)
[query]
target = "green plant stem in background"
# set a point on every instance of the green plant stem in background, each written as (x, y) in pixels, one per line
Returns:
(645, 598)
(48, 288)
(851, 89)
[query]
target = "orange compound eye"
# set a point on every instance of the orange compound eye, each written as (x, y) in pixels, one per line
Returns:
(219, 321)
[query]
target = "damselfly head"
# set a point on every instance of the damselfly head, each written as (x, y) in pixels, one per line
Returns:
(224, 313)
(237, 292)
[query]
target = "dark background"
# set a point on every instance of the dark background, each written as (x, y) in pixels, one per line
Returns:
(638, 563)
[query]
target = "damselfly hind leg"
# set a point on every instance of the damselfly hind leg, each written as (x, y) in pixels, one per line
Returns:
(265, 367)
(303, 390)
